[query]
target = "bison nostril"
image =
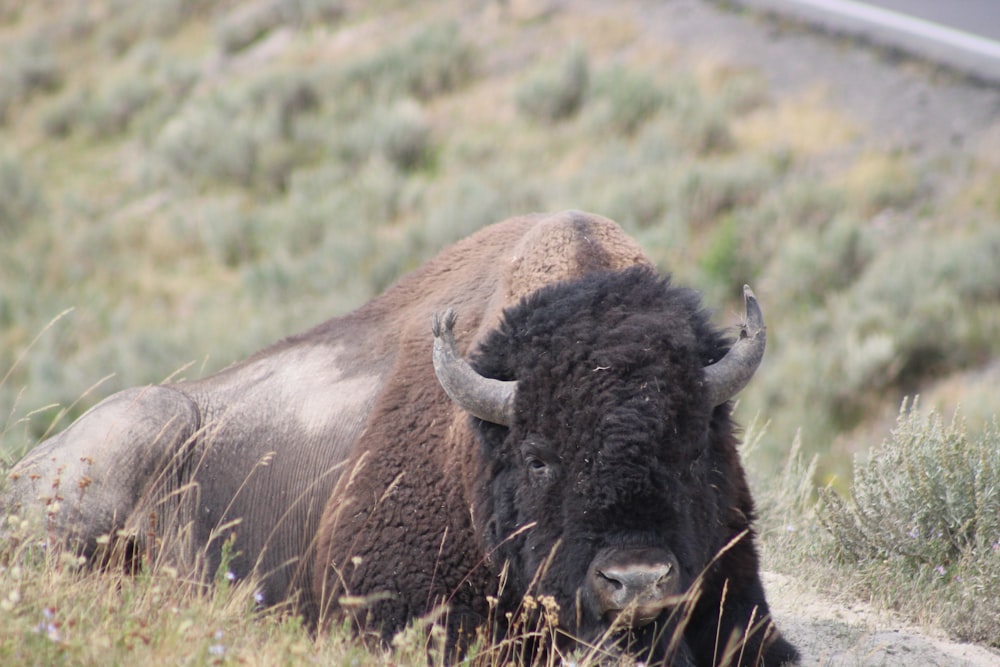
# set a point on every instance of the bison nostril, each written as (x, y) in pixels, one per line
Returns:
(642, 589)
(610, 580)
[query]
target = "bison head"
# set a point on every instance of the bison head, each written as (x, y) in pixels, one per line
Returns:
(608, 476)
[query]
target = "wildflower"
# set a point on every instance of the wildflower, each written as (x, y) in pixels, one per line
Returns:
(230, 576)
(217, 649)
(940, 570)
(49, 627)
(551, 608)
(915, 533)
(258, 597)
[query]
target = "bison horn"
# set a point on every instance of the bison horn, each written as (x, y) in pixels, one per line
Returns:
(726, 377)
(490, 400)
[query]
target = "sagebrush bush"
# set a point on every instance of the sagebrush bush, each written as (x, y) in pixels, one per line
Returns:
(30, 66)
(810, 264)
(249, 22)
(433, 60)
(399, 133)
(695, 122)
(624, 99)
(924, 509)
(555, 91)
(211, 141)
(21, 195)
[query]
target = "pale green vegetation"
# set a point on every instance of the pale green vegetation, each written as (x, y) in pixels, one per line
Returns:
(922, 525)
(196, 179)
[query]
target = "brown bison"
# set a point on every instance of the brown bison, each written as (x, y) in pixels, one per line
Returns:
(585, 454)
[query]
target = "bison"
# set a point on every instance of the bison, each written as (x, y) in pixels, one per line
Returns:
(567, 435)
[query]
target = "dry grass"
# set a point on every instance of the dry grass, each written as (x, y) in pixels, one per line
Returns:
(59, 611)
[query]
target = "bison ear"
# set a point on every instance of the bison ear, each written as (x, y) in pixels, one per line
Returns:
(726, 377)
(488, 399)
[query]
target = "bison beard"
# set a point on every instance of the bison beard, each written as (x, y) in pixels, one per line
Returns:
(586, 455)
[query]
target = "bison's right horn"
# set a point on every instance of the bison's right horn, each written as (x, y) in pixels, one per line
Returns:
(490, 400)
(726, 377)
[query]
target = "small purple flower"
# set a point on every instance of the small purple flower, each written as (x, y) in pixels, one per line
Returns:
(258, 597)
(49, 627)
(915, 533)
(940, 570)
(230, 576)
(217, 649)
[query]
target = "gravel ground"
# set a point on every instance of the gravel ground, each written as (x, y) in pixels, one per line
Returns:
(831, 633)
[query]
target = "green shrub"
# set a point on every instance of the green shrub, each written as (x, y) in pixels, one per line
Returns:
(924, 509)
(640, 202)
(811, 264)
(625, 99)
(934, 300)
(694, 122)
(434, 60)
(231, 235)
(125, 23)
(117, 103)
(704, 192)
(21, 195)
(555, 91)
(399, 133)
(63, 114)
(30, 66)
(249, 22)
(210, 141)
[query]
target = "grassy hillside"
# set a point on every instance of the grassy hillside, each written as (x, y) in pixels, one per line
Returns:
(183, 182)
(195, 180)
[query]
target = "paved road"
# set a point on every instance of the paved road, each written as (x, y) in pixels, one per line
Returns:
(977, 17)
(962, 34)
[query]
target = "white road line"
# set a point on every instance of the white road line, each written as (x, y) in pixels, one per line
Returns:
(908, 24)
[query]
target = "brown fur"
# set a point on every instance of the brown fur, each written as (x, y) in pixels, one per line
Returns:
(403, 507)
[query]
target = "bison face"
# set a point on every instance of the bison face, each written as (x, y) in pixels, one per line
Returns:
(606, 460)
(599, 502)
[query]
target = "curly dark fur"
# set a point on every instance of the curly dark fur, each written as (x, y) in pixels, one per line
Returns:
(615, 445)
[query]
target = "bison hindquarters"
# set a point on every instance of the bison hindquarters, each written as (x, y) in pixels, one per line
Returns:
(88, 480)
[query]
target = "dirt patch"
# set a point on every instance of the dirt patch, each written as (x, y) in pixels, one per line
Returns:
(832, 633)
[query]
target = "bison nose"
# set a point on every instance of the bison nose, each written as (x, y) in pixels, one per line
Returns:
(641, 590)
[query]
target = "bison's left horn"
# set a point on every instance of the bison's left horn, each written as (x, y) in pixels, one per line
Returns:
(726, 377)
(490, 400)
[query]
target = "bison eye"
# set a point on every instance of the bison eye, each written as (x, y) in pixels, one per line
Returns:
(535, 465)
(538, 458)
